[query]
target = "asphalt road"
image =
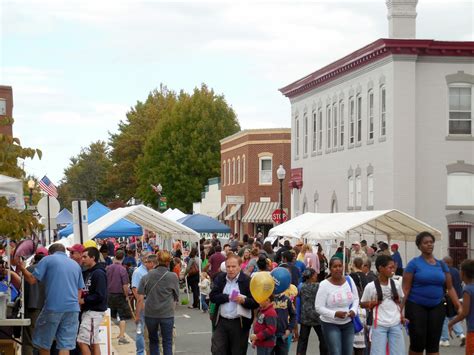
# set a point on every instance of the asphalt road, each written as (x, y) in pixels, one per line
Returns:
(194, 335)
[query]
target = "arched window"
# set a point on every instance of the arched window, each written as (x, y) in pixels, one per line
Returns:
(244, 168)
(350, 182)
(223, 173)
(297, 137)
(351, 121)
(305, 132)
(238, 170)
(229, 171)
(341, 123)
(233, 171)
(383, 112)
(370, 190)
(358, 191)
(370, 114)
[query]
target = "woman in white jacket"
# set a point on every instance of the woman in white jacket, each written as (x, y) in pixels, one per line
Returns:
(337, 302)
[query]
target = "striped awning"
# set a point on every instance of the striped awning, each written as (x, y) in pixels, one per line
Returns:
(233, 212)
(260, 212)
(220, 214)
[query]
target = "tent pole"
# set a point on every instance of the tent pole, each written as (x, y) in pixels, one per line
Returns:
(344, 252)
(200, 266)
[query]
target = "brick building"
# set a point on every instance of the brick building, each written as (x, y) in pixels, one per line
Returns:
(249, 183)
(6, 107)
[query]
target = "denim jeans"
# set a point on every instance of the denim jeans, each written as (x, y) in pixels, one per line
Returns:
(458, 331)
(140, 338)
(165, 325)
(264, 351)
(394, 336)
(339, 338)
(204, 305)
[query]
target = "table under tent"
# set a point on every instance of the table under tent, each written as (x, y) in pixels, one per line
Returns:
(387, 224)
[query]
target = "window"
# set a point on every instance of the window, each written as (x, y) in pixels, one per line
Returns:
(315, 132)
(3, 107)
(460, 110)
(370, 113)
(370, 190)
(228, 172)
(223, 173)
(358, 191)
(341, 123)
(320, 129)
(359, 118)
(244, 169)
(328, 126)
(316, 205)
(297, 137)
(305, 132)
(238, 170)
(265, 171)
(383, 113)
(350, 181)
(461, 189)
(351, 120)
(233, 171)
(334, 125)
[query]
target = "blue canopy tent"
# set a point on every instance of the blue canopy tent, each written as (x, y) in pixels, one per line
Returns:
(121, 228)
(64, 217)
(204, 224)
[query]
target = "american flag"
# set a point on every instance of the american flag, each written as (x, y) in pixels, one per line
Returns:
(48, 187)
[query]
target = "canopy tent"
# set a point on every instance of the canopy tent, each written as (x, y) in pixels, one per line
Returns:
(174, 214)
(12, 190)
(204, 224)
(393, 224)
(120, 228)
(64, 217)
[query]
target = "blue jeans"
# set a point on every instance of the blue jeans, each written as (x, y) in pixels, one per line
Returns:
(140, 338)
(339, 338)
(394, 336)
(264, 351)
(165, 325)
(457, 329)
(204, 305)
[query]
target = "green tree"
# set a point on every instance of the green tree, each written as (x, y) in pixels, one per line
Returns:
(13, 223)
(87, 175)
(183, 150)
(127, 144)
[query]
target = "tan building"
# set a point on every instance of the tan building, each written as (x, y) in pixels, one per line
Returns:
(249, 183)
(6, 108)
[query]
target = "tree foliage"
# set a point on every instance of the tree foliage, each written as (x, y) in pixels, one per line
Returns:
(127, 144)
(87, 176)
(183, 150)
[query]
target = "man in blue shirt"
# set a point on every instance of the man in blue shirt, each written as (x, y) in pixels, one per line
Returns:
(137, 276)
(59, 318)
(397, 259)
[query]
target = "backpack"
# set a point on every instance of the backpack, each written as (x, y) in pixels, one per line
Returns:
(378, 289)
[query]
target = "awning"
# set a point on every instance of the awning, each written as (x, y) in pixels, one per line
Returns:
(260, 212)
(233, 212)
(220, 213)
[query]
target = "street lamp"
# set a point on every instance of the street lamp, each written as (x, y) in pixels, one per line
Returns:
(31, 186)
(281, 173)
(158, 189)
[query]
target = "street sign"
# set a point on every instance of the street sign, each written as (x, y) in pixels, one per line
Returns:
(276, 216)
(163, 203)
(53, 207)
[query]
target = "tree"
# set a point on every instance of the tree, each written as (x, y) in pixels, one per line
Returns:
(183, 150)
(87, 175)
(127, 145)
(13, 223)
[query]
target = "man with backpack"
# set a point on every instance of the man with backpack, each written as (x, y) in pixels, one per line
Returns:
(383, 297)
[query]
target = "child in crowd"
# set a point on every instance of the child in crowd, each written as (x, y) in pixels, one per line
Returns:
(177, 267)
(467, 274)
(265, 328)
(383, 296)
(286, 321)
(205, 289)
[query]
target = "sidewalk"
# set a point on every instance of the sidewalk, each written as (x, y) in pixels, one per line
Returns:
(119, 349)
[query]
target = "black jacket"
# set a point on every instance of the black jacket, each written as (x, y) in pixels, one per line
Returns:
(218, 297)
(95, 291)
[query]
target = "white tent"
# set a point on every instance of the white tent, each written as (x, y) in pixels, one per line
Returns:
(12, 190)
(392, 224)
(174, 214)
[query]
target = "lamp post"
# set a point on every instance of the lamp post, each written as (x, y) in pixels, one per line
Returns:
(281, 173)
(31, 186)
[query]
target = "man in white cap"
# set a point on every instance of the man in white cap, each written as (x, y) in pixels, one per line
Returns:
(357, 252)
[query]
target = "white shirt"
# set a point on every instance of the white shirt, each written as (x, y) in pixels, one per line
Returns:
(333, 298)
(388, 312)
(229, 310)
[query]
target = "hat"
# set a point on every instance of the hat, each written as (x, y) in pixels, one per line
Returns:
(395, 245)
(89, 243)
(41, 250)
(356, 243)
(78, 248)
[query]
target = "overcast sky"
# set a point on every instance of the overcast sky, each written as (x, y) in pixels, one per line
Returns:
(76, 68)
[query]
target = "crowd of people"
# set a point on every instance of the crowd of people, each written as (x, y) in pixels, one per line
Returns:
(352, 307)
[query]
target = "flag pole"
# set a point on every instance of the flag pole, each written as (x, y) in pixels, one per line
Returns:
(49, 221)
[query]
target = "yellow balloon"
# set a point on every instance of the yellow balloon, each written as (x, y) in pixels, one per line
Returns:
(89, 243)
(291, 291)
(261, 286)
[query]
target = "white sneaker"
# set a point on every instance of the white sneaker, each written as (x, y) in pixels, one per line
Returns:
(462, 337)
(444, 343)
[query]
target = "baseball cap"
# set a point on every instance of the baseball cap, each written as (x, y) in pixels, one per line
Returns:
(41, 250)
(78, 248)
(395, 245)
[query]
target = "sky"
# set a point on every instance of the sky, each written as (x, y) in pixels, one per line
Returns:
(76, 68)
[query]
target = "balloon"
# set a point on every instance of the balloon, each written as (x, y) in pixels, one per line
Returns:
(90, 243)
(282, 278)
(291, 292)
(261, 286)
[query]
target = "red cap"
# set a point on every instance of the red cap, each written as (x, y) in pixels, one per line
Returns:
(42, 250)
(79, 248)
(394, 245)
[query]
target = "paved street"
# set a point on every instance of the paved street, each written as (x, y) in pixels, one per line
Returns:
(194, 335)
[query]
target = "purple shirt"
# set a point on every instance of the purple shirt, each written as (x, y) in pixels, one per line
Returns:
(215, 261)
(117, 276)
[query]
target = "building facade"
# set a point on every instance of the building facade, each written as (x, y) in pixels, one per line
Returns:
(6, 108)
(390, 126)
(250, 189)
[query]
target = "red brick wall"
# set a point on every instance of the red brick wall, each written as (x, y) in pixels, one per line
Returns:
(6, 93)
